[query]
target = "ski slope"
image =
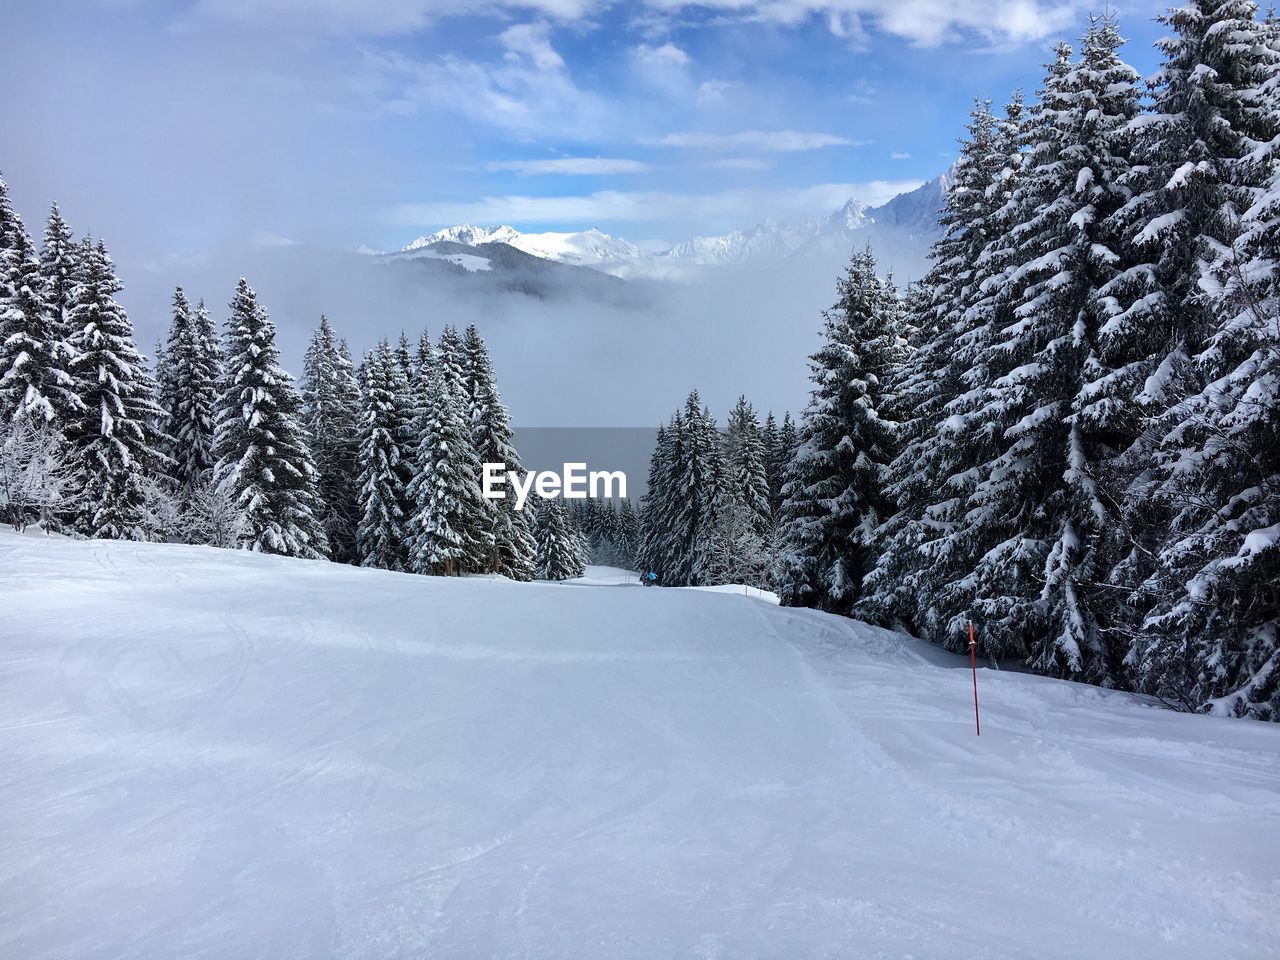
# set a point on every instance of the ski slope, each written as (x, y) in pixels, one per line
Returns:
(209, 754)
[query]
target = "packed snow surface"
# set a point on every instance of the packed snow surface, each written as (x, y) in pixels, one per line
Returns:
(212, 754)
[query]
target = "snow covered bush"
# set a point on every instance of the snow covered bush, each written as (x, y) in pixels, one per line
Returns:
(36, 482)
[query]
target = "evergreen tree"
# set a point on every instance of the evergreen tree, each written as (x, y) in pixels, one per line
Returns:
(737, 551)
(788, 441)
(683, 531)
(188, 372)
(746, 472)
(744, 520)
(834, 491)
(404, 357)
(381, 533)
(166, 372)
(1032, 535)
(511, 550)
(608, 528)
(115, 445)
(331, 412)
(423, 362)
(937, 389)
(206, 372)
(559, 550)
(652, 550)
(34, 380)
(7, 216)
(1192, 179)
(628, 534)
(37, 480)
(775, 462)
(59, 271)
(602, 541)
(264, 463)
(1213, 641)
(692, 491)
(1053, 398)
(450, 517)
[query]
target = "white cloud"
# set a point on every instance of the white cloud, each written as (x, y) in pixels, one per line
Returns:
(665, 66)
(923, 22)
(530, 40)
(528, 91)
(572, 166)
(847, 25)
(619, 205)
(773, 141)
(668, 55)
(899, 156)
(380, 17)
(712, 91)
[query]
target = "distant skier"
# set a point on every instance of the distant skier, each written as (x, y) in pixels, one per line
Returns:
(650, 579)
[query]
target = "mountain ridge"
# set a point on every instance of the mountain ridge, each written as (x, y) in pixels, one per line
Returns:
(907, 223)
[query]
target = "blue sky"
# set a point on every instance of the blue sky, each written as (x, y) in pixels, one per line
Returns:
(177, 127)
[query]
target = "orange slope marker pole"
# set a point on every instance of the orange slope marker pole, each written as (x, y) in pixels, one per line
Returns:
(973, 665)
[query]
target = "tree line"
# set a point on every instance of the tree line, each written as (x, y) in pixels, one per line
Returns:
(377, 465)
(1068, 433)
(711, 511)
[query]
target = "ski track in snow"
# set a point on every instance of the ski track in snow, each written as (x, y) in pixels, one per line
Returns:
(210, 754)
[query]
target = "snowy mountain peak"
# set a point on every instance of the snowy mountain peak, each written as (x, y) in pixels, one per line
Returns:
(585, 247)
(909, 218)
(852, 216)
(908, 221)
(466, 234)
(771, 239)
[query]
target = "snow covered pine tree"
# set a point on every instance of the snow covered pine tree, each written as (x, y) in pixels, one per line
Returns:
(559, 548)
(381, 532)
(512, 546)
(115, 441)
(187, 375)
(264, 463)
(331, 409)
(1213, 642)
(834, 496)
(450, 528)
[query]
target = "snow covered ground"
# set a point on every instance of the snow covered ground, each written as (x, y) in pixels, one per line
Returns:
(208, 754)
(612, 576)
